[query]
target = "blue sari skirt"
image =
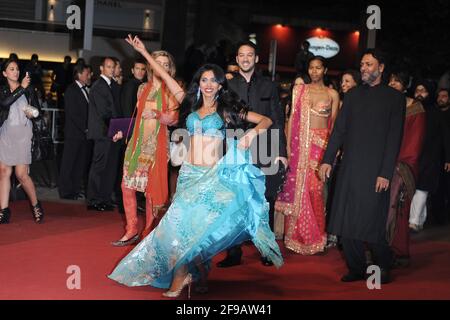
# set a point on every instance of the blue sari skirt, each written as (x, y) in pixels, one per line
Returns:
(213, 209)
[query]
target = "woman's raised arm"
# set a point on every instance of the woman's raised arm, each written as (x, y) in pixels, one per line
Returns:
(171, 83)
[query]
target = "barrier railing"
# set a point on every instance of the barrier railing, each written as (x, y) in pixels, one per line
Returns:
(57, 139)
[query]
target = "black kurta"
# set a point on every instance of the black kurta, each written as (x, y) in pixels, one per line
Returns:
(369, 127)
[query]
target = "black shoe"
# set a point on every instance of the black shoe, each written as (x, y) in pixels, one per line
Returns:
(5, 214)
(401, 262)
(128, 242)
(322, 253)
(38, 212)
(108, 207)
(352, 277)
(80, 195)
(229, 262)
(96, 207)
(266, 262)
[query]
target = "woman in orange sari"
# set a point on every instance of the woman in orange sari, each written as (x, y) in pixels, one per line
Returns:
(147, 155)
(315, 107)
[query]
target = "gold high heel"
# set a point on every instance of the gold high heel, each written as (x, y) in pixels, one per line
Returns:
(175, 294)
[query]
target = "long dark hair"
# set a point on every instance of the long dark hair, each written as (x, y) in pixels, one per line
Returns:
(229, 107)
(6, 64)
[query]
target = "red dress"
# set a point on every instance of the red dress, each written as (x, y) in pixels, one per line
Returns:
(404, 179)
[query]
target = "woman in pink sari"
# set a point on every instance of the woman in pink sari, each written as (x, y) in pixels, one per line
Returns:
(315, 107)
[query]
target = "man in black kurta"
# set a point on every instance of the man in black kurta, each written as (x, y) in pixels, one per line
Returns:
(369, 127)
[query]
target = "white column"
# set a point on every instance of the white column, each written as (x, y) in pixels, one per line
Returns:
(88, 25)
(371, 39)
(38, 10)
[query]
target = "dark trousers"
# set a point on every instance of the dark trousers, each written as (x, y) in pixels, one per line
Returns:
(355, 255)
(103, 172)
(73, 167)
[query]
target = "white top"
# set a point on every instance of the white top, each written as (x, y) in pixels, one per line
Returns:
(81, 87)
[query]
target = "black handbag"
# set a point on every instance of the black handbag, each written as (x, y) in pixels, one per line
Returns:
(42, 142)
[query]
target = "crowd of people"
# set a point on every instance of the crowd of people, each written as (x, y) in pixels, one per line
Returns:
(358, 165)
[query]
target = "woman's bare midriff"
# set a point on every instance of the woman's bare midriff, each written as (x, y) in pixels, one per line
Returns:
(150, 124)
(204, 151)
(318, 122)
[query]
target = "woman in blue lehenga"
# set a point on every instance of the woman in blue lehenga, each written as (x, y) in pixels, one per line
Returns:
(219, 202)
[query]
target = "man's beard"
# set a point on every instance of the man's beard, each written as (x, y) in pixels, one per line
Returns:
(372, 77)
(443, 105)
(420, 98)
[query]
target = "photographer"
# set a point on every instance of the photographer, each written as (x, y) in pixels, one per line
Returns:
(16, 132)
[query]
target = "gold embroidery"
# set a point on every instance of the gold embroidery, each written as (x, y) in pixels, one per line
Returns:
(414, 109)
(319, 141)
(295, 208)
(306, 249)
(306, 137)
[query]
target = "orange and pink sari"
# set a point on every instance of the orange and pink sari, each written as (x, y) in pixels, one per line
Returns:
(302, 199)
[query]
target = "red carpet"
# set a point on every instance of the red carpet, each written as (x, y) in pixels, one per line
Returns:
(34, 259)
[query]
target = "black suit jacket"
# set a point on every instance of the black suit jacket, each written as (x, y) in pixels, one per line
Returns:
(116, 89)
(261, 96)
(7, 98)
(101, 109)
(76, 113)
(128, 97)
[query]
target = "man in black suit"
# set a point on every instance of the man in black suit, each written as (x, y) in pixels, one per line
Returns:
(102, 108)
(128, 97)
(74, 157)
(116, 84)
(261, 95)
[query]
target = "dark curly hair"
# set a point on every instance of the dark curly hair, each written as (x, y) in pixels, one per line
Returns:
(229, 107)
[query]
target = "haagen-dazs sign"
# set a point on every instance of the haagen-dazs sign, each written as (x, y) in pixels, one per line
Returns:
(324, 47)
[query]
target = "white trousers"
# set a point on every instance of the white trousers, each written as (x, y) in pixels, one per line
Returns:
(418, 212)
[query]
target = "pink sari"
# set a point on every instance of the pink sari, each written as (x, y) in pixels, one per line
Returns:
(302, 200)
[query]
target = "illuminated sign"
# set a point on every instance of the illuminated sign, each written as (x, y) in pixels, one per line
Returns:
(325, 47)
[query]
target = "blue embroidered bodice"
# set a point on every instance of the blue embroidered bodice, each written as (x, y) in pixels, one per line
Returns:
(211, 125)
